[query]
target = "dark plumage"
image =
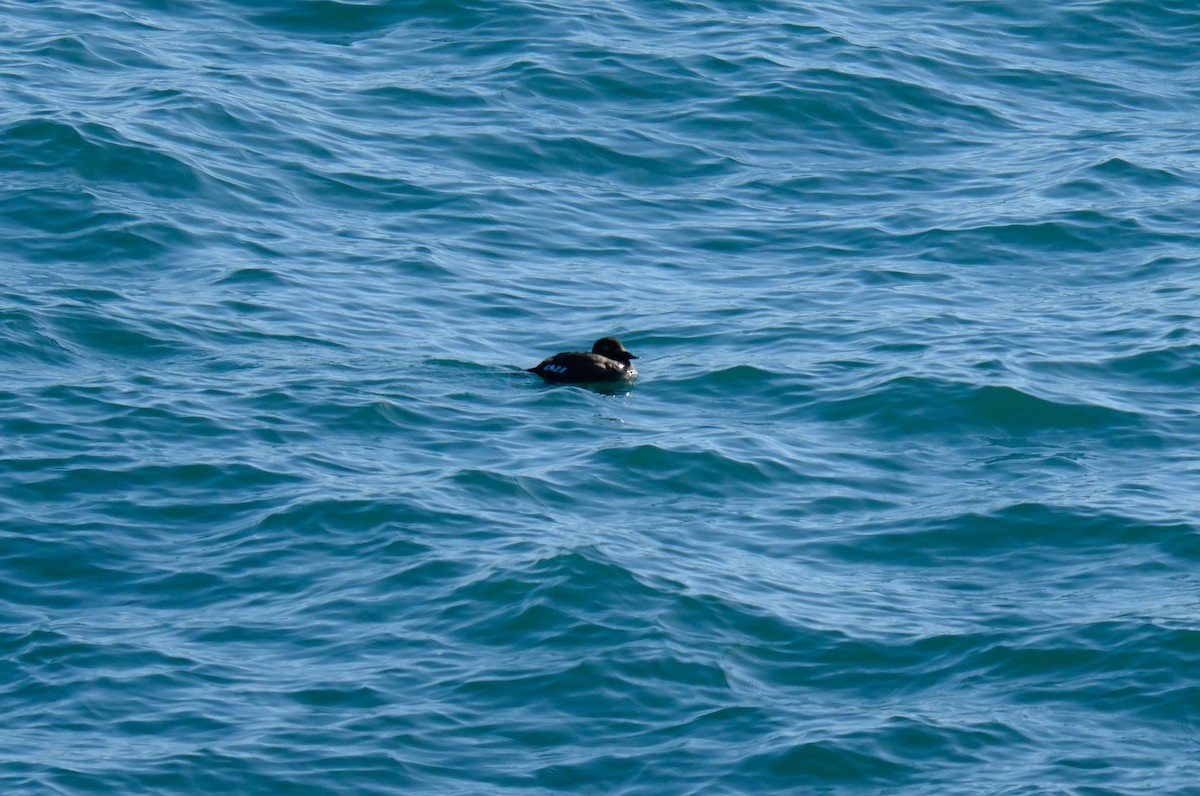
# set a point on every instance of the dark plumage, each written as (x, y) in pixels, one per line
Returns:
(607, 361)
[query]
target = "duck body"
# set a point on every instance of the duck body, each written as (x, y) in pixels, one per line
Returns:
(607, 361)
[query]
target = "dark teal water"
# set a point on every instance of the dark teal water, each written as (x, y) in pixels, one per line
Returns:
(905, 500)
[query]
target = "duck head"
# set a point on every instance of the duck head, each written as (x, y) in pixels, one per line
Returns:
(611, 347)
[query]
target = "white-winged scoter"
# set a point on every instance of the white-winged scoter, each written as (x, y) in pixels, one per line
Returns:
(607, 361)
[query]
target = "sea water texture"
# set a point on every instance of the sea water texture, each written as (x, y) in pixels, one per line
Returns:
(906, 498)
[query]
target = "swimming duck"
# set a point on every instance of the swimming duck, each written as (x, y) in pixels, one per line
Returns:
(607, 361)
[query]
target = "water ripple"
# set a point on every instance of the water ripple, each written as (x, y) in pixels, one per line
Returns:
(904, 497)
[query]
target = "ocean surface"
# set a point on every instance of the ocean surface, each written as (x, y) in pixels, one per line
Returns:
(905, 500)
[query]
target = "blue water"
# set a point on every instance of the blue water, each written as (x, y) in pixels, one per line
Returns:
(906, 498)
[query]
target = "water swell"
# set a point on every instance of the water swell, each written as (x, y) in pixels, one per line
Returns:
(95, 154)
(915, 405)
(1028, 532)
